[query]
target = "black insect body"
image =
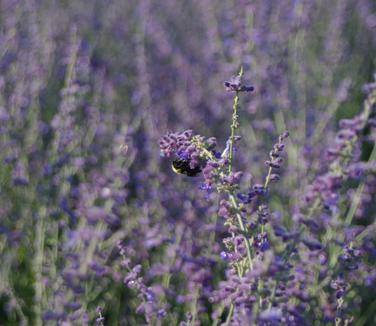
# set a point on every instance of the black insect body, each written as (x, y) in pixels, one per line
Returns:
(183, 167)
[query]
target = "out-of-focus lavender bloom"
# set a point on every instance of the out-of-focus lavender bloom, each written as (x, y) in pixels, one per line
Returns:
(272, 315)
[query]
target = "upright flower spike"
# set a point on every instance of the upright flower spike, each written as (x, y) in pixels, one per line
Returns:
(235, 85)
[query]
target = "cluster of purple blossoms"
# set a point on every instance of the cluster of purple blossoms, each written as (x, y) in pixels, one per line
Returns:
(188, 147)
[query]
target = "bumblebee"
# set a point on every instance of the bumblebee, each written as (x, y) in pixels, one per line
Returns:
(180, 166)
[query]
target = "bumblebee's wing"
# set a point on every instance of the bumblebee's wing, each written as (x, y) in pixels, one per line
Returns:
(179, 166)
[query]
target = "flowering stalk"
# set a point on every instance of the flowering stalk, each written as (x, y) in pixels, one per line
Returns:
(235, 123)
(234, 126)
(235, 85)
(207, 155)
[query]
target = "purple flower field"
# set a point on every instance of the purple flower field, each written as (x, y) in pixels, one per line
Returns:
(188, 162)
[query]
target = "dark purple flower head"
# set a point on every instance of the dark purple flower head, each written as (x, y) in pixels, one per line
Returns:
(235, 85)
(312, 243)
(274, 177)
(184, 155)
(354, 124)
(263, 214)
(369, 88)
(258, 189)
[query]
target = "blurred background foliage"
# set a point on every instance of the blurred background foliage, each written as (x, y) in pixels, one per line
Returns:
(87, 88)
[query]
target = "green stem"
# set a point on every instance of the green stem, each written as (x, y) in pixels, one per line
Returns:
(194, 308)
(38, 266)
(357, 198)
(229, 316)
(234, 125)
(216, 321)
(267, 179)
(243, 229)
(171, 262)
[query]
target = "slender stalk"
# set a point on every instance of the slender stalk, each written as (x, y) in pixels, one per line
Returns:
(229, 316)
(38, 265)
(267, 179)
(194, 307)
(234, 125)
(358, 194)
(243, 229)
(171, 262)
(216, 321)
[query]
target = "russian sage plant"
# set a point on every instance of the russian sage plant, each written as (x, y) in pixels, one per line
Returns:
(293, 270)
